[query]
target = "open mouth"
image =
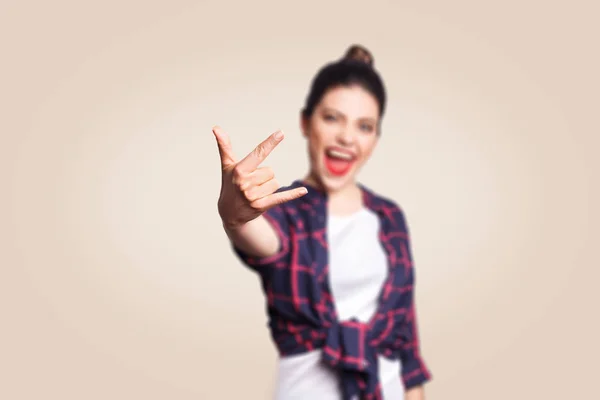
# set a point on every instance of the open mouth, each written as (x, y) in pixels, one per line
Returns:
(338, 162)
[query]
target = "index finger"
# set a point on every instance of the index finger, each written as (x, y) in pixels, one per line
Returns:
(260, 152)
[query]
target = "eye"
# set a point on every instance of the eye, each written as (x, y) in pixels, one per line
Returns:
(369, 128)
(329, 117)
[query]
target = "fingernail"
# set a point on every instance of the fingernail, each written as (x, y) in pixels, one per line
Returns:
(279, 135)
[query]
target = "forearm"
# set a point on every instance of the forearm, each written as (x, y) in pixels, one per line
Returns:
(256, 238)
(416, 393)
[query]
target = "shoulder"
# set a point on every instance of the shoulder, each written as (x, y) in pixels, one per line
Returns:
(387, 205)
(378, 200)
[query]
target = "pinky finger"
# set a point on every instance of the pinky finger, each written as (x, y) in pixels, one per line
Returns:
(279, 198)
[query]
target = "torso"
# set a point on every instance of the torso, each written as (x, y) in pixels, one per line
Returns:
(323, 345)
(357, 271)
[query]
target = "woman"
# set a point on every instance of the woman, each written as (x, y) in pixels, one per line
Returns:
(333, 256)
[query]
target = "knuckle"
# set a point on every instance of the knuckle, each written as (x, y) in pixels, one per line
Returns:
(249, 195)
(255, 205)
(278, 200)
(290, 196)
(242, 184)
(261, 150)
(237, 174)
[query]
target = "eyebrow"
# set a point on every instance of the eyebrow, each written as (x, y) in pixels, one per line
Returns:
(333, 110)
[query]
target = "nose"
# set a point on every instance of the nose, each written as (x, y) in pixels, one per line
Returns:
(346, 137)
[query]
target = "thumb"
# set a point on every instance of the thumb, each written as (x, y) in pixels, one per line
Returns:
(224, 145)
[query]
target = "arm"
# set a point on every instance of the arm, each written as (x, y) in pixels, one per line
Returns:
(416, 393)
(255, 238)
(414, 371)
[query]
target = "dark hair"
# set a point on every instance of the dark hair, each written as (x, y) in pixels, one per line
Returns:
(354, 68)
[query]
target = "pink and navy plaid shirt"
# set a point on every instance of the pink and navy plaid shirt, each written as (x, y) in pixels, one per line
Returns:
(301, 310)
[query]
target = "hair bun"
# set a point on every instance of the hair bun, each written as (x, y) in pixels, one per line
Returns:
(357, 52)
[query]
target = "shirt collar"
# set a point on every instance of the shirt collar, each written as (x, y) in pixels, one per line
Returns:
(316, 194)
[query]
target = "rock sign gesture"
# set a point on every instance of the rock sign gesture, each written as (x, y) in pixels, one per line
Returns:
(247, 190)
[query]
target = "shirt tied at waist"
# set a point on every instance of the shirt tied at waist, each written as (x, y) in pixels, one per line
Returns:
(347, 349)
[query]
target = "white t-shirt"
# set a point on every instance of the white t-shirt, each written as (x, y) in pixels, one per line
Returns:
(357, 271)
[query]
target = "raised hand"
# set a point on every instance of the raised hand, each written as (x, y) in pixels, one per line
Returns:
(247, 190)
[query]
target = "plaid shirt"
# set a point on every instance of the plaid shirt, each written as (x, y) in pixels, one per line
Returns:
(302, 314)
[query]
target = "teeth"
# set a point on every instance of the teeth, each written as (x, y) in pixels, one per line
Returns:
(339, 154)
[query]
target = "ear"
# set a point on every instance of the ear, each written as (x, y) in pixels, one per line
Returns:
(303, 124)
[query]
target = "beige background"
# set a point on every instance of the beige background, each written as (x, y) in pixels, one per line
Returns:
(117, 281)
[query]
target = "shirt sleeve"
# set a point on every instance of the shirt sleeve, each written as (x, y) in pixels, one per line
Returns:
(276, 217)
(414, 370)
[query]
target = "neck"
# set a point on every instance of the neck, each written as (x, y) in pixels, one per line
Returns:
(344, 200)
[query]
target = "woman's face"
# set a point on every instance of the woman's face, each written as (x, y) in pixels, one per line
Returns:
(341, 133)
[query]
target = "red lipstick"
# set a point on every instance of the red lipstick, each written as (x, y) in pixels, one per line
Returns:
(338, 161)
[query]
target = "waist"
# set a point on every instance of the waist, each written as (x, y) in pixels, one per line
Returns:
(305, 375)
(293, 339)
(312, 360)
(352, 347)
